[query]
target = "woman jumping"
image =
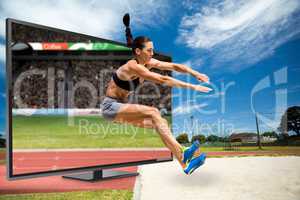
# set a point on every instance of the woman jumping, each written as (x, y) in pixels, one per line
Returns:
(128, 77)
(115, 106)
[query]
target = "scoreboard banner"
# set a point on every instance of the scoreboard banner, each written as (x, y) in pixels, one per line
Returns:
(71, 46)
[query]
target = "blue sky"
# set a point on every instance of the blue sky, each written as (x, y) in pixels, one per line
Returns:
(248, 48)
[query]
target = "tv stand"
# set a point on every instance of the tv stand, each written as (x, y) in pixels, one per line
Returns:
(100, 175)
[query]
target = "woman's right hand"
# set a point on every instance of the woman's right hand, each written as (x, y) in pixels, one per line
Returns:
(201, 88)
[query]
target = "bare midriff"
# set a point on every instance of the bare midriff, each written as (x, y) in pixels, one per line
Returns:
(116, 92)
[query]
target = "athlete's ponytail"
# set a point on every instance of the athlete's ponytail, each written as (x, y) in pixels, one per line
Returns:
(129, 38)
(138, 42)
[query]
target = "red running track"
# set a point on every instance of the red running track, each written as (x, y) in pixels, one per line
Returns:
(26, 162)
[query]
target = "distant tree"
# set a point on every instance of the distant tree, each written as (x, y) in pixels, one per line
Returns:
(183, 138)
(200, 138)
(270, 134)
(283, 138)
(224, 139)
(213, 138)
(290, 121)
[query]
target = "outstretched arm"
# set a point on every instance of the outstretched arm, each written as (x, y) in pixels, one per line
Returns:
(179, 68)
(144, 73)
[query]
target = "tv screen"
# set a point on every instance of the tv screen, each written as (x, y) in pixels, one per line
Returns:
(56, 82)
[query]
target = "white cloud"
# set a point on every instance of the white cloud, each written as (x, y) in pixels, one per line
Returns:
(187, 108)
(192, 5)
(243, 32)
(2, 53)
(192, 63)
(2, 60)
(98, 18)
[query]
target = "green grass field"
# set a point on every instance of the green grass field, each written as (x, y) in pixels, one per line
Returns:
(52, 132)
(265, 151)
(269, 148)
(2, 152)
(102, 194)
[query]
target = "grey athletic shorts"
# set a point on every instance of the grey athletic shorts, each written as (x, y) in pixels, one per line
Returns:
(110, 108)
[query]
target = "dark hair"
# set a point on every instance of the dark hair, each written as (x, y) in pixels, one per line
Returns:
(139, 43)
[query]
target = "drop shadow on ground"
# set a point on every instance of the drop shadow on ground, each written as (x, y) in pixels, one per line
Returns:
(200, 178)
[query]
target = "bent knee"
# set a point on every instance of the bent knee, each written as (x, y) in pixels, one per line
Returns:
(153, 112)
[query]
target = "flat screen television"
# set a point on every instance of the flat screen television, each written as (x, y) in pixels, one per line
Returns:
(56, 80)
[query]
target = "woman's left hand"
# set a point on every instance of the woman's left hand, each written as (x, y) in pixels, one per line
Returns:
(202, 77)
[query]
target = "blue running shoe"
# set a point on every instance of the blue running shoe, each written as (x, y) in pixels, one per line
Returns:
(188, 152)
(195, 163)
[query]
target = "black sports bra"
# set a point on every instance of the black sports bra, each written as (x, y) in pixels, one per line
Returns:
(126, 85)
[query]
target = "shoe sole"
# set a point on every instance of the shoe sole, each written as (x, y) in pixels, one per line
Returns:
(196, 167)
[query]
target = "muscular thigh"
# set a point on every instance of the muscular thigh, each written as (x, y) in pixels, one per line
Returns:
(135, 114)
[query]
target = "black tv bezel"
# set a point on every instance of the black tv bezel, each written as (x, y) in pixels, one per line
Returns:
(9, 146)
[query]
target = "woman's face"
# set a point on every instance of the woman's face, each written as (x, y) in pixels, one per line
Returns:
(146, 53)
